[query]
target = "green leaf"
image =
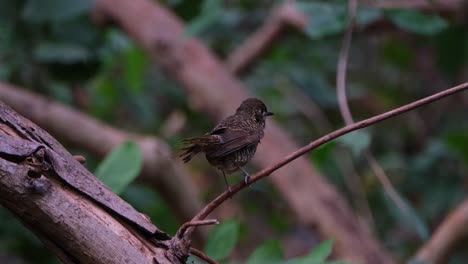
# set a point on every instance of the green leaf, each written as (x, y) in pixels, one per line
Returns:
(357, 141)
(417, 22)
(211, 12)
(222, 240)
(452, 52)
(146, 200)
(318, 255)
(321, 154)
(61, 53)
(366, 15)
(416, 261)
(136, 63)
(195, 260)
(269, 252)
(407, 216)
(55, 10)
(321, 252)
(323, 19)
(121, 166)
(458, 142)
(423, 162)
(398, 53)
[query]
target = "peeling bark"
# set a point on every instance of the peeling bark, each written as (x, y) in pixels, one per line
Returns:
(68, 208)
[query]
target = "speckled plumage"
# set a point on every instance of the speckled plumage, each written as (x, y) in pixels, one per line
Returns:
(233, 142)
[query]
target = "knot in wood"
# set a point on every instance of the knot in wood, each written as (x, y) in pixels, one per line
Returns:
(179, 250)
(37, 163)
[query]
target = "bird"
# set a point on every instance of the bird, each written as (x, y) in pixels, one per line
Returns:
(233, 142)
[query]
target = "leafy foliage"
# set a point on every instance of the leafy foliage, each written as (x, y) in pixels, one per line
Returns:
(222, 240)
(269, 252)
(418, 22)
(121, 166)
(53, 48)
(54, 10)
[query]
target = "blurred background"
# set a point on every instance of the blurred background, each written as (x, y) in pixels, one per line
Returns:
(67, 53)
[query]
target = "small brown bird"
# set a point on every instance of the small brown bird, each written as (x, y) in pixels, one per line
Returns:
(233, 142)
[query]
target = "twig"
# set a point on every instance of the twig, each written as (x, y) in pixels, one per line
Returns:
(346, 113)
(314, 144)
(342, 65)
(183, 228)
(202, 255)
(343, 160)
(353, 180)
(453, 229)
(284, 15)
(213, 90)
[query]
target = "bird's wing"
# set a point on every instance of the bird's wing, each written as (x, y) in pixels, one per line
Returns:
(233, 139)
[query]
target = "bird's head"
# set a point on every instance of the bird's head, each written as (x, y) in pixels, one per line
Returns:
(254, 108)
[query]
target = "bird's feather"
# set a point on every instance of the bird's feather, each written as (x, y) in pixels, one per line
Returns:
(232, 140)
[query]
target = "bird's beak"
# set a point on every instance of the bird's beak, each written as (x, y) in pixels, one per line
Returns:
(268, 114)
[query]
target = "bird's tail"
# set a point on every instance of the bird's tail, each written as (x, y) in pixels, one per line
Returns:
(193, 146)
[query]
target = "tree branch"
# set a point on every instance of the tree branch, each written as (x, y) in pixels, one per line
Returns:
(346, 112)
(452, 230)
(159, 169)
(284, 15)
(314, 144)
(215, 91)
(202, 256)
(183, 228)
(75, 215)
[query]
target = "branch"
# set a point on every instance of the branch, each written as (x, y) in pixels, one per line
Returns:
(282, 16)
(346, 112)
(356, 189)
(452, 230)
(342, 65)
(80, 130)
(314, 144)
(183, 228)
(71, 211)
(214, 90)
(202, 256)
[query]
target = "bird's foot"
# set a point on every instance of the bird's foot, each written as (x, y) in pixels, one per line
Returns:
(246, 179)
(230, 193)
(246, 175)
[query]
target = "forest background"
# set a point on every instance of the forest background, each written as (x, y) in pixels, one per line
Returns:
(112, 77)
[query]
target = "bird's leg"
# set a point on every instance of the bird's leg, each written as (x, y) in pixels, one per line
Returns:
(246, 175)
(227, 184)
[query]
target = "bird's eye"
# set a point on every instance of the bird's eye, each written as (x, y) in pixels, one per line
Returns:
(259, 116)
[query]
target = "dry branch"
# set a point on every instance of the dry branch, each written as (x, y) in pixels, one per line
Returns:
(202, 255)
(159, 170)
(316, 143)
(282, 16)
(452, 230)
(213, 90)
(67, 207)
(346, 112)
